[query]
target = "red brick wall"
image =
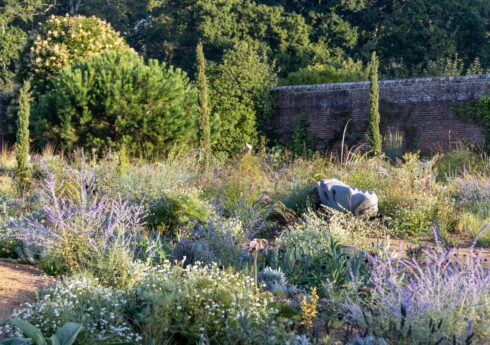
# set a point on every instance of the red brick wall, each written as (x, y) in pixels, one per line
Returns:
(420, 109)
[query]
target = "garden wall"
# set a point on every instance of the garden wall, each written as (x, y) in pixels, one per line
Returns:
(422, 110)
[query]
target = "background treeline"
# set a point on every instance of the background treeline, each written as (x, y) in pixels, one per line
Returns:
(125, 73)
(304, 40)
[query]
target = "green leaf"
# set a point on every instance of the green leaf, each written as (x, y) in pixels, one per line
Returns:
(68, 333)
(54, 340)
(30, 331)
(16, 341)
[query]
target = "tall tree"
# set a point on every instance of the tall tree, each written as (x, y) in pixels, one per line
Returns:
(22, 143)
(374, 135)
(123, 15)
(175, 27)
(409, 36)
(241, 97)
(204, 111)
(16, 19)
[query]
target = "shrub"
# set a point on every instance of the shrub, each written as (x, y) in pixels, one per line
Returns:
(440, 300)
(10, 209)
(470, 189)
(99, 101)
(242, 181)
(273, 279)
(311, 257)
(100, 310)
(62, 41)
(76, 225)
(241, 97)
(169, 213)
(347, 71)
(300, 143)
(459, 161)
(146, 181)
(349, 229)
(221, 240)
(369, 340)
(309, 237)
(204, 303)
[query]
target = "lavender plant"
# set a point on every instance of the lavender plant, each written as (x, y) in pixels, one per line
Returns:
(77, 224)
(472, 189)
(443, 300)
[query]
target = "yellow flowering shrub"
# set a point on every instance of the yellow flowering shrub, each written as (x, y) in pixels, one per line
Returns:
(61, 41)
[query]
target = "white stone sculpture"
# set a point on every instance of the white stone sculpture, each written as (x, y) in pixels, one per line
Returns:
(336, 194)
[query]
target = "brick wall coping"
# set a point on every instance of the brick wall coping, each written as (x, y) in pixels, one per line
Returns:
(386, 83)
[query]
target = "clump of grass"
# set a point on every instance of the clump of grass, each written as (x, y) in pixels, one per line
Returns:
(8, 161)
(393, 145)
(462, 160)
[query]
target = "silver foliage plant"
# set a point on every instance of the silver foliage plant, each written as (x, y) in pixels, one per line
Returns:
(73, 209)
(441, 299)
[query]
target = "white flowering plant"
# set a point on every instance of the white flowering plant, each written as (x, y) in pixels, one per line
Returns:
(61, 41)
(100, 310)
(187, 305)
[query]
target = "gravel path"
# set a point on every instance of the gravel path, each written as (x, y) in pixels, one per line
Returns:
(18, 284)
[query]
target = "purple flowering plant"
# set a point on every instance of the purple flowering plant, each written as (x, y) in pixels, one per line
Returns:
(76, 221)
(442, 299)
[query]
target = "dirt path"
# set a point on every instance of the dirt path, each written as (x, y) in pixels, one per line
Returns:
(18, 284)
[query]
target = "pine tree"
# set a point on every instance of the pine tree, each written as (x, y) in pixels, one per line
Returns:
(202, 85)
(374, 135)
(22, 143)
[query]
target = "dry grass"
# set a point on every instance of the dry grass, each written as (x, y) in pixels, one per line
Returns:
(7, 158)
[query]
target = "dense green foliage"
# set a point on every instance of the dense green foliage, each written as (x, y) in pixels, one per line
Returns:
(241, 97)
(100, 101)
(62, 41)
(374, 134)
(22, 143)
(413, 38)
(348, 71)
(16, 17)
(478, 111)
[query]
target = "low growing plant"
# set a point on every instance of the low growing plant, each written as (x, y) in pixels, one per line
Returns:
(203, 303)
(444, 299)
(100, 310)
(65, 335)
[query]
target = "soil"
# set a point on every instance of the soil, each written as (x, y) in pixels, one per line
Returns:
(18, 285)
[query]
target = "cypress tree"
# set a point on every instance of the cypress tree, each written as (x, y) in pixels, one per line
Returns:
(374, 135)
(22, 143)
(202, 85)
